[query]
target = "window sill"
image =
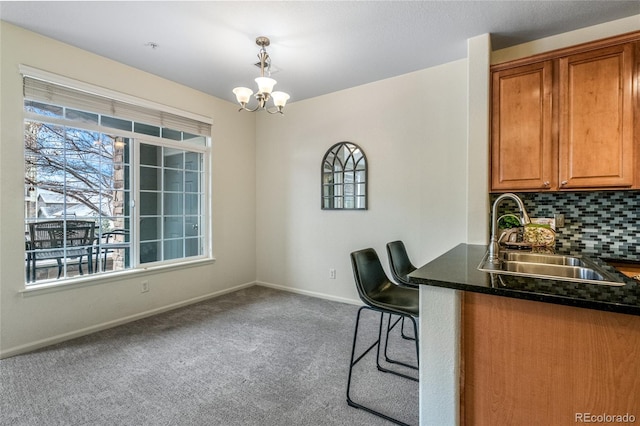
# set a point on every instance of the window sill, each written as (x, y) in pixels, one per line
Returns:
(90, 280)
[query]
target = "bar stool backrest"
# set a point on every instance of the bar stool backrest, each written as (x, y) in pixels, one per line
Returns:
(399, 263)
(369, 275)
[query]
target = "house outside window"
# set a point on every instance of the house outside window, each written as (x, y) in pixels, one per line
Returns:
(109, 185)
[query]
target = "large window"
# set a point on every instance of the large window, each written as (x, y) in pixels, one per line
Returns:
(109, 186)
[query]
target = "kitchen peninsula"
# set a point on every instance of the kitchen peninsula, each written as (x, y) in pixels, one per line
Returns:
(540, 351)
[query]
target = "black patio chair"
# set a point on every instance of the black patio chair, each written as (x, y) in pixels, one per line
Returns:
(108, 242)
(60, 239)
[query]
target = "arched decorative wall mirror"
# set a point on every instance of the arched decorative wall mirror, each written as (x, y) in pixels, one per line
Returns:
(344, 178)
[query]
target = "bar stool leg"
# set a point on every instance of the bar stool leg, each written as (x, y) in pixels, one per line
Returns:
(407, 337)
(353, 362)
(392, 361)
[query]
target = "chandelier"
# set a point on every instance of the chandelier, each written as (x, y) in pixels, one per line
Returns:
(265, 85)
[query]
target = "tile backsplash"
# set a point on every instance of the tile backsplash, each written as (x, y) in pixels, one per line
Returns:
(601, 223)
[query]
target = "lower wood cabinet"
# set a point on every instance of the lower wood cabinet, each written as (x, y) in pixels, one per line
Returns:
(532, 363)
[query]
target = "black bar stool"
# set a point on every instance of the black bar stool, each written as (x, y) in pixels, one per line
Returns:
(380, 295)
(400, 266)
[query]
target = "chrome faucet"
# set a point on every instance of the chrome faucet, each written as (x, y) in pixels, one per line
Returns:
(494, 246)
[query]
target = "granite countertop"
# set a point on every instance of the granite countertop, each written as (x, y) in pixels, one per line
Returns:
(458, 269)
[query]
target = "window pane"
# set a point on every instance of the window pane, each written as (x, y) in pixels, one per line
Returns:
(150, 228)
(173, 227)
(150, 155)
(150, 178)
(173, 249)
(173, 180)
(43, 109)
(113, 251)
(116, 123)
(175, 135)
(191, 204)
(192, 161)
(191, 227)
(149, 203)
(146, 129)
(173, 158)
(191, 182)
(192, 247)
(114, 202)
(194, 139)
(149, 252)
(173, 204)
(82, 116)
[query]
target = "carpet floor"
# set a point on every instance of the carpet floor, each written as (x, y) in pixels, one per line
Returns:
(257, 356)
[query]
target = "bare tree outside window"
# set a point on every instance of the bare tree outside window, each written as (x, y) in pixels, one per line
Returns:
(86, 169)
(73, 173)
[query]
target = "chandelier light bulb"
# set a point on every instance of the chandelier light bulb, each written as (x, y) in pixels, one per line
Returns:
(243, 94)
(265, 84)
(280, 99)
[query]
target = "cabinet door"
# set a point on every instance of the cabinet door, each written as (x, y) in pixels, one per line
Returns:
(596, 119)
(521, 128)
(532, 363)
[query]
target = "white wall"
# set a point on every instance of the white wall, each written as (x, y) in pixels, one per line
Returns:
(440, 308)
(583, 35)
(413, 131)
(29, 321)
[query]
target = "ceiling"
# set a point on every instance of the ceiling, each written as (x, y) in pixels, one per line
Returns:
(317, 47)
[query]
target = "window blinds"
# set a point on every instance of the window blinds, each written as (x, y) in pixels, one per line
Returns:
(52, 93)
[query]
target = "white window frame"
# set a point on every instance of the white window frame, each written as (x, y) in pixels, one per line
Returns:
(136, 193)
(137, 139)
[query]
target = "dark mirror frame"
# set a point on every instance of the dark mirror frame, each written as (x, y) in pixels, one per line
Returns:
(343, 178)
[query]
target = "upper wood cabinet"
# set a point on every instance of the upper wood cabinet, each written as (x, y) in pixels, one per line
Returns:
(596, 118)
(521, 128)
(565, 120)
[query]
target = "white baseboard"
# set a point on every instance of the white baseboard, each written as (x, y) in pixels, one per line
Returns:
(17, 350)
(109, 324)
(310, 293)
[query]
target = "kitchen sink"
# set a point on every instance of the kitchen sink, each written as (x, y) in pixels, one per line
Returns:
(546, 259)
(549, 266)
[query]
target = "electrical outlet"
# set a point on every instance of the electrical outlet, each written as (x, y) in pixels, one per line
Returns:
(332, 274)
(144, 286)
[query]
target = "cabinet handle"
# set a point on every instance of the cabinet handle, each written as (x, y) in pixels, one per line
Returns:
(546, 183)
(564, 182)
